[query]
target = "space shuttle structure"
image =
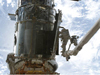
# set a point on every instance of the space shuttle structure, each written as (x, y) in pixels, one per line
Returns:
(36, 38)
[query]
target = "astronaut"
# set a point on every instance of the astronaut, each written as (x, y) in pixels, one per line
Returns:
(74, 39)
(11, 61)
(64, 35)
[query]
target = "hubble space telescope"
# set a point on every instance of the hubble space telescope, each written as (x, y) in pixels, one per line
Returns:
(36, 38)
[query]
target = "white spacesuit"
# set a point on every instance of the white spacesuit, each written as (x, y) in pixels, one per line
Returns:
(64, 35)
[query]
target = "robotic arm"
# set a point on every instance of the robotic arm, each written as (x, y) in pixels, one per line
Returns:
(79, 46)
(85, 39)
